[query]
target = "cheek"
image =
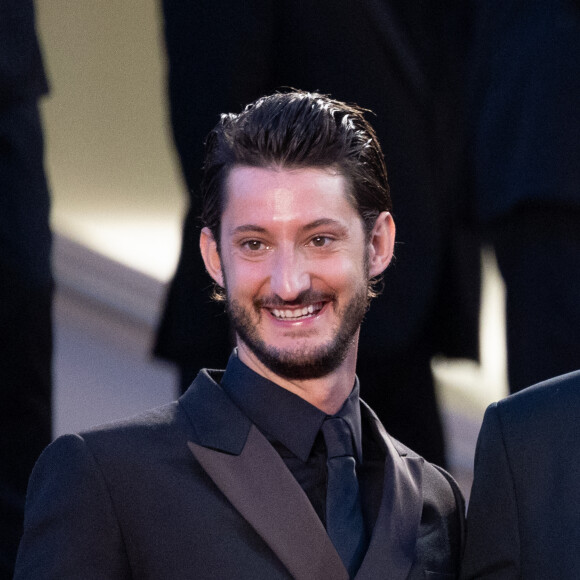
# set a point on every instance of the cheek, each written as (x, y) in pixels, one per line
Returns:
(341, 272)
(245, 278)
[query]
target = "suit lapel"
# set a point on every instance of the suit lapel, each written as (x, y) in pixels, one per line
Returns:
(249, 472)
(392, 545)
(260, 487)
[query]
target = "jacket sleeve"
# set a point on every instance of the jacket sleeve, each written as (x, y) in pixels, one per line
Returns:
(493, 540)
(70, 529)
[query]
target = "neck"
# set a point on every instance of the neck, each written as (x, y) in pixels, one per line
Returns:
(327, 393)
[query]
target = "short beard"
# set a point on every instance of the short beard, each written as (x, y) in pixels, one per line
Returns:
(302, 363)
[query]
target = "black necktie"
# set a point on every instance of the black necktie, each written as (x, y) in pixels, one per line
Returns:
(344, 521)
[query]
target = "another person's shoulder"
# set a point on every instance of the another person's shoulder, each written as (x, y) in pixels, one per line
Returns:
(540, 421)
(560, 390)
(538, 405)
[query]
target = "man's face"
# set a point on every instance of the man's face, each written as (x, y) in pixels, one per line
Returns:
(293, 263)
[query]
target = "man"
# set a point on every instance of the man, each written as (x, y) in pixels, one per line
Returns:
(26, 284)
(524, 513)
(242, 477)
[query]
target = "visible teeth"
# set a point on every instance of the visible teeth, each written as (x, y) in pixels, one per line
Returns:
(299, 312)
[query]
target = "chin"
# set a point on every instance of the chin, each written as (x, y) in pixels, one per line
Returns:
(302, 364)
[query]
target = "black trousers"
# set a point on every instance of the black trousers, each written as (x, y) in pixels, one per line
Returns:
(26, 290)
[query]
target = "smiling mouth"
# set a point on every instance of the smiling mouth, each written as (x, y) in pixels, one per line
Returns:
(297, 313)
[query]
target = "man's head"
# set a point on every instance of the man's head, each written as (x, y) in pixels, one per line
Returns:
(295, 206)
(296, 130)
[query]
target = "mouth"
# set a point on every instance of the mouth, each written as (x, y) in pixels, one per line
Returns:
(300, 313)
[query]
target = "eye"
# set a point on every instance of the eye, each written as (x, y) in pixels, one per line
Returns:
(254, 245)
(320, 241)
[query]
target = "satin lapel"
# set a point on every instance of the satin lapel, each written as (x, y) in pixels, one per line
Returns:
(261, 488)
(392, 547)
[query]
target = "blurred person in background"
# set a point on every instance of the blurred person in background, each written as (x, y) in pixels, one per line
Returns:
(25, 274)
(524, 102)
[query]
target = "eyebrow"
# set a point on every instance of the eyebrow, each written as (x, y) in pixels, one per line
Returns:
(248, 228)
(253, 228)
(323, 222)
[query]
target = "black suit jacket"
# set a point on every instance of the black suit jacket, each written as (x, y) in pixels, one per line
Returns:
(394, 57)
(524, 511)
(194, 490)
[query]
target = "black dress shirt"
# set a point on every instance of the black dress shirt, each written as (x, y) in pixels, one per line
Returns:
(292, 425)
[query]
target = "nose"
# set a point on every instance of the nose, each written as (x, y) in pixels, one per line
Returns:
(289, 276)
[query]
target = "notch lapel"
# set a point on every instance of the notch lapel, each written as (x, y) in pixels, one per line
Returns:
(261, 488)
(391, 550)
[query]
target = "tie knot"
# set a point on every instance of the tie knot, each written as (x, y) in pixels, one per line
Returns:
(338, 438)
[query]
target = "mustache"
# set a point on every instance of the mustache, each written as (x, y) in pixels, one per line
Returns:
(306, 297)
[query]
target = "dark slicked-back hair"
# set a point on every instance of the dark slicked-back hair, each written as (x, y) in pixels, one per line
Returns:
(295, 130)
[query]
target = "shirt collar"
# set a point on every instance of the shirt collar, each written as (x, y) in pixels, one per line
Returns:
(283, 415)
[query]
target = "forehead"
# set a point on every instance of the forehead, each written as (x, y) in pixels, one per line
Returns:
(286, 195)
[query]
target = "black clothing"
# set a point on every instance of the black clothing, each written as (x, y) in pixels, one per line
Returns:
(292, 426)
(538, 254)
(525, 137)
(524, 513)
(26, 284)
(21, 72)
(195, 486)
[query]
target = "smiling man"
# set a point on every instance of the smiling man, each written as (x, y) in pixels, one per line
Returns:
(273, 468)
(294, 253)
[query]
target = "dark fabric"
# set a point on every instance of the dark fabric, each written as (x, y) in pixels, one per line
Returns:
(344, 516)
(265, 494)
(524, 514)
(292, 426)
(525, 104)
(310, 474)
(21, 71)
(404, 398)
(278, 413)
(538, 253)
(400, 59)
(525, 133)
(25, 399)
(131, 500)
(25, 273)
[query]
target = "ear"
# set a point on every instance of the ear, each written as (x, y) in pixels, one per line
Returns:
(381, 244)
(211, 257)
